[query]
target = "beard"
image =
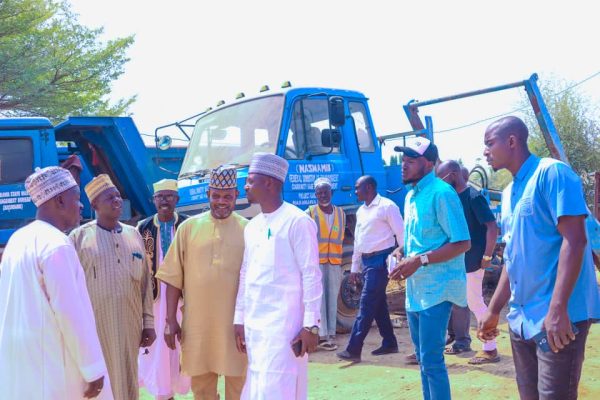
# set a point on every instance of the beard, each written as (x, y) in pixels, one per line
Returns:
(221, 213)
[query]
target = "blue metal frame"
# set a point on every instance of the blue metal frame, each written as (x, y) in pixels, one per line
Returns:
(544, 119)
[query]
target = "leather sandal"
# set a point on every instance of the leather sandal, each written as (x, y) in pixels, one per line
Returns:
(485, 357)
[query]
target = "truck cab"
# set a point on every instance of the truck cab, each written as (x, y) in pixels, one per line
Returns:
(320, 132)
(25, 143)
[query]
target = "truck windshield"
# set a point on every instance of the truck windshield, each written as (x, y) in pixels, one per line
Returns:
(233, 134)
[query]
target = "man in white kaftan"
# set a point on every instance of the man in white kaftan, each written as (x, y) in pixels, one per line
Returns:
(49, 348)
(279, 296)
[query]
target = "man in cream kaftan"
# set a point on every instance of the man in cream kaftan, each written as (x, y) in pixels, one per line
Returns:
(121, 294)
(112, 255)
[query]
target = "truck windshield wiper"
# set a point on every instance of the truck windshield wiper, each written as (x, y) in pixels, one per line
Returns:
(200, 173)
(203, 172)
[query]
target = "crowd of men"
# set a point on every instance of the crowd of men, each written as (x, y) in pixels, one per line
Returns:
(80, 306)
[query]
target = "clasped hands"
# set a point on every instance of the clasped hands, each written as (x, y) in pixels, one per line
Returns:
(405, 267)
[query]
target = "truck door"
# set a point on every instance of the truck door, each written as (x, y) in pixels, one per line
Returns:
(309, 159)
(360, 128)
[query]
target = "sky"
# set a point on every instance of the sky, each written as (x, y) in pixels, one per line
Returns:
(189, 54)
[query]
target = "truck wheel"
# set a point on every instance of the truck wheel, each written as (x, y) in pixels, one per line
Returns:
(348, 304)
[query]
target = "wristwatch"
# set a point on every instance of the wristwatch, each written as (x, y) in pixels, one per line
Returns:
(313, 329)
(424, 259)
(487, 258)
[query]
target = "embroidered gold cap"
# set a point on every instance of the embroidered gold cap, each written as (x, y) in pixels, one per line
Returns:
(165, 184)
(223, 177)
(98, 185)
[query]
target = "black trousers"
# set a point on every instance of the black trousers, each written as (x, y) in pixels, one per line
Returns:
(548, 375)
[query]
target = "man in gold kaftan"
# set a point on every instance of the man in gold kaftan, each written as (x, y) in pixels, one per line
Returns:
(203, 263)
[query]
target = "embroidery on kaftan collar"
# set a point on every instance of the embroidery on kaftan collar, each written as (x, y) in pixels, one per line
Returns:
(156, 222)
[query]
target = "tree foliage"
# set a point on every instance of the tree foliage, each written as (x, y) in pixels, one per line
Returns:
(577, 123)
(52, 66)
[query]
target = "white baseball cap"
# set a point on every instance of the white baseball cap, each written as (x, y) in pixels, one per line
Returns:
(419, 147)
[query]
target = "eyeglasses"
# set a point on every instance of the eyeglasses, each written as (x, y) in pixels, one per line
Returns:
(168, 197)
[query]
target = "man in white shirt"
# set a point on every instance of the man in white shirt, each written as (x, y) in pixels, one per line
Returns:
(279, 297)
(379, 226)
(49, 348)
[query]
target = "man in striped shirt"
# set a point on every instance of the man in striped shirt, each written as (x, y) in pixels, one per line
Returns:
(112, 255)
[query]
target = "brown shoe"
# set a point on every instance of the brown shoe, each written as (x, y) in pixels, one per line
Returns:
(411, 359)
(485, 357)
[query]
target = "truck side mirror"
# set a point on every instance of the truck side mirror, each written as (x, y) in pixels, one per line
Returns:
(331, 138)
(337, 116)
(164, 142)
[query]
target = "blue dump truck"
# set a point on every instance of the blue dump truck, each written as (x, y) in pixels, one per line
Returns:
(104, 145)
(322, 133)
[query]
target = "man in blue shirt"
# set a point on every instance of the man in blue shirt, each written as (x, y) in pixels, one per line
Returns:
(549, 278)
(436, 237)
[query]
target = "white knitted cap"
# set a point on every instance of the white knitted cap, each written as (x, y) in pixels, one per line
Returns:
(48, 182)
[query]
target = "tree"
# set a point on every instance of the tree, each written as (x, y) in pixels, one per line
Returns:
(578, 127)
(52, 66)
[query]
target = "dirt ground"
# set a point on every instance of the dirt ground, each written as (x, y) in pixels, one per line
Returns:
(386, 377)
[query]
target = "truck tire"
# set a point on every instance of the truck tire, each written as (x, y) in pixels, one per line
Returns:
(348, 303)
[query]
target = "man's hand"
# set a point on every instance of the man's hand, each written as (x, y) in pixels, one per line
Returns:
(406, 267)
(148, 337)
(172, 331)
(558, 328)
(240, 338)
(486, 264)
(309, 342)
(94, 388)
(487, 328)
(398, 253)
(354, 278)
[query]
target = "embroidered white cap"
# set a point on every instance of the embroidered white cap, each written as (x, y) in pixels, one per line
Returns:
(270, 165)
(322, 181)
(47, 183)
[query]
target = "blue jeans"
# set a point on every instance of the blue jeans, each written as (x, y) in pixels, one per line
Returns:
(373, 306)
(428, 333)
